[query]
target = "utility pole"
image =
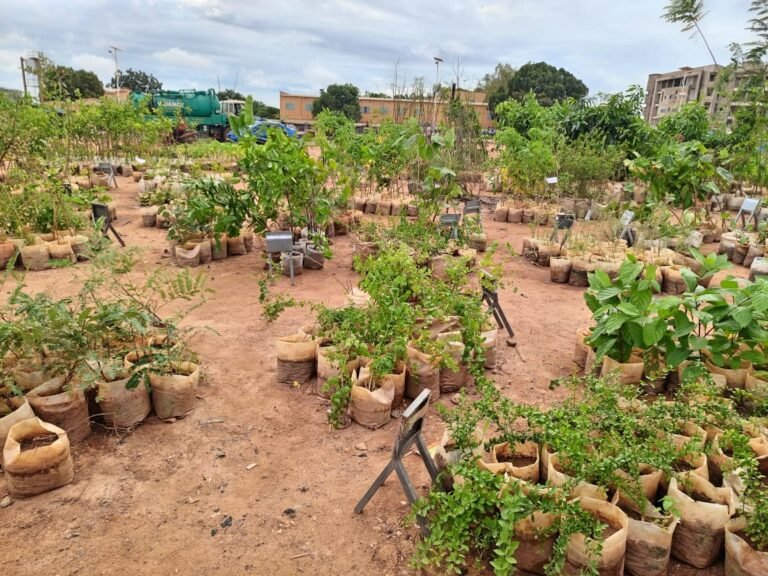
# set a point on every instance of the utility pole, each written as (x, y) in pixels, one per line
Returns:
(114, 50)
(437, 87)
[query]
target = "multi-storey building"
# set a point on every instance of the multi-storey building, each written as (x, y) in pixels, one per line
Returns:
(667, 93)
(297, 109)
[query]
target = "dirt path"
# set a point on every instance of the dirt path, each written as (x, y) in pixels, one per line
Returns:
(185, 498)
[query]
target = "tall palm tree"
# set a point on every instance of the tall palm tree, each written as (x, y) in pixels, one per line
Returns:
(689, 13)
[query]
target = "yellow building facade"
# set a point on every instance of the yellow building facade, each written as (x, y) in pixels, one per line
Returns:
(297, 109)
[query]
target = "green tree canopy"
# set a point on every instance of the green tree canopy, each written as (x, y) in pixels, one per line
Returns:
(137, 81)
(265, 110)
(64, 82)
(494, 84)
(341, 98)
(548, 83)
(230, 94)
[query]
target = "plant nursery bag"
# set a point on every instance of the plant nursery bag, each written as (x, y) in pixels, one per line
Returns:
(29, 472)
(740, 558)
(698, 540)
(173, 395)
(67, 409)
(610, 559)
(295, 358)
(121, 407)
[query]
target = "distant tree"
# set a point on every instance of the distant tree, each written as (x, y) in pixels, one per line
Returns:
(548, 83)
(230, 94)
(60, 82)
(495, 84)
(265, 111)
(342, 98)
(376, 95)
(137, 81)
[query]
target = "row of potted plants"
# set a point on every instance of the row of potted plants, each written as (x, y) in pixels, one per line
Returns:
(603, 483)
(108, 353)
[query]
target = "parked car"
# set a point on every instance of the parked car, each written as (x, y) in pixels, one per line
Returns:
(260, 129)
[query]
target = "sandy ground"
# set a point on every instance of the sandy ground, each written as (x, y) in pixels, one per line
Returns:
(180, 498)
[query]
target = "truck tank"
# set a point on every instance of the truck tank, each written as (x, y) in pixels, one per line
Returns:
(200, 109)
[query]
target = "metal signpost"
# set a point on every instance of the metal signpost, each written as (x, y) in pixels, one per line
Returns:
(411, 424)
(451, 220)
(562, 222)
(109, 169)
(749, 210)
(102, 211)
(626, 231)
(280, 242)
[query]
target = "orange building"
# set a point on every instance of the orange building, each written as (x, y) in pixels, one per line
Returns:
(297, 109)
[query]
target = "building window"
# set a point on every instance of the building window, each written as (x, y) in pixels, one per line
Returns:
(384, 110)
(366, 109)
(710, 91)
(308, 107)
(290, 106)
(712, 76)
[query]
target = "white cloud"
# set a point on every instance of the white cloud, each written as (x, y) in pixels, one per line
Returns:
(103, 66)
(319, 76)
(183, 59)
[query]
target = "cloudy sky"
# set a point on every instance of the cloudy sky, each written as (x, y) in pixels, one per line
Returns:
(261, 47)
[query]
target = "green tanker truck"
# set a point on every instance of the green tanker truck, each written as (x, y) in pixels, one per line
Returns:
(200, 112)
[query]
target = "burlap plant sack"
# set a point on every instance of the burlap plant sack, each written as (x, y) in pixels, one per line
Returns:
(63, 405)
(295, 358)
(755, 251)
(149, 216)
(37, 470)
(7, 251)
(206, 253)
(397, 382)
(734, 377)
(559, 269)
(23, 412)
(520, 460)
(580, 270)
(629, 373)
(740, 558)
(536, 542)
(422, 372)
(556, 477)
(219, 247)
(235, 246)
(610, 560)
(79, 246)
(490, 337)
(123, 408)
(649, 541)
(370, 408)
(35, 257)
(188, 258)
(454, 380)
(29, 377)
(173, 395)
(500, 213)
(61, 250)
(247, 236)
(581, 349)
(704, 512)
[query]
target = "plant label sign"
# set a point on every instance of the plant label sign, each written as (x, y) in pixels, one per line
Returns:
(627, 217)
(551, 180)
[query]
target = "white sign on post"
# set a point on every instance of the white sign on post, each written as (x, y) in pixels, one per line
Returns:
(551, 179)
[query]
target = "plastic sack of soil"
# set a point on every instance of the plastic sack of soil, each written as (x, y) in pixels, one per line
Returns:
(610, 560)
(535, 548)
(629, 372)
(490, 338)
(173, 395)
(295, 358)
(422, 373)
(63, 405)
(121, 407)
(704, 512)
(36, 458)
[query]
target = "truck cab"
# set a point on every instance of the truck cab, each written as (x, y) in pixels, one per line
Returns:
(232, 107)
